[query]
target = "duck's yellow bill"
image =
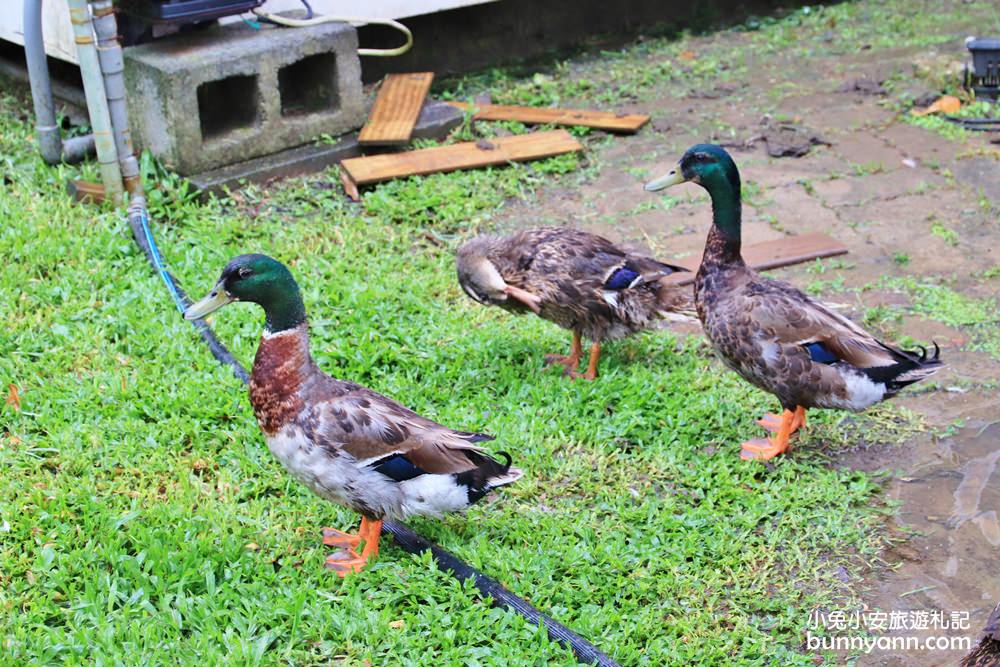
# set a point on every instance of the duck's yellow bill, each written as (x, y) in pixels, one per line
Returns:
(216, 299)
(663, 182)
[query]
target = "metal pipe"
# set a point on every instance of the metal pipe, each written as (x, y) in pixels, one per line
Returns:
(50, 142)
(109, 52)
(97, 102)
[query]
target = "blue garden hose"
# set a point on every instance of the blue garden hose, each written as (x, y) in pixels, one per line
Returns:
(138, 220)
(406, 539)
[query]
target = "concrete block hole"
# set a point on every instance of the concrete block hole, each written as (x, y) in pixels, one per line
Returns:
(227, 104)
(309, 85)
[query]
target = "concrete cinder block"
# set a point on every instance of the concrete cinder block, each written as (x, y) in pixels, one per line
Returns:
(436, 121)
(212, 98)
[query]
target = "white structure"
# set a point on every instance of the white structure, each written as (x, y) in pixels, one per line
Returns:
(58, 30)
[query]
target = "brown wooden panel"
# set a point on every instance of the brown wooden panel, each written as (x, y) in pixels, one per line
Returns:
(602, 120)
(771, 254)
(467, 155)
(396, 109)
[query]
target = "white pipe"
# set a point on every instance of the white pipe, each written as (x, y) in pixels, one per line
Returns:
(109, 52)
(97, 101)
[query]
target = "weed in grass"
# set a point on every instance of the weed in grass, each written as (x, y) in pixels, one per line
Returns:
(882, 318)
(817, 287)
(948, 235)
(978, 317)
(868, 168)
(821, 266)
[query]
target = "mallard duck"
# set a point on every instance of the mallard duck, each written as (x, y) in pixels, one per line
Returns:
(580, 281)
(774, 335)
(987, 654)
(347, 443)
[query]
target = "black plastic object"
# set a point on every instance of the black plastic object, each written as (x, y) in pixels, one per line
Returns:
(976, 124)
(185, 11)
(983, 76)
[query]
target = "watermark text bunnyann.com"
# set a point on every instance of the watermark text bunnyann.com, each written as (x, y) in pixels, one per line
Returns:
(858, 631)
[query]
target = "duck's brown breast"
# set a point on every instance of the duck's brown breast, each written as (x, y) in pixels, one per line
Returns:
(279, 370)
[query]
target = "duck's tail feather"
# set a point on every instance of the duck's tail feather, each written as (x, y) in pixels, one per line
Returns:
(911, 366)
(488, 474)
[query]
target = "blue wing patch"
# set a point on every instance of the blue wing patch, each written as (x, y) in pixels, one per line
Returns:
(820, 354)
(620, 278)
(398, 468)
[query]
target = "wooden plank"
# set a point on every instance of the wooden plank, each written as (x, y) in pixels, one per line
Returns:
(770, 254)
(466, 155)
(86, 192)
(601, 120)
(396, 109)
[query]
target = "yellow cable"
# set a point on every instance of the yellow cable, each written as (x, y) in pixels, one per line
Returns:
(317, 20)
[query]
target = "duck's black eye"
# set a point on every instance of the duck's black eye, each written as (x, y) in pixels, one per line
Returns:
(244, 272)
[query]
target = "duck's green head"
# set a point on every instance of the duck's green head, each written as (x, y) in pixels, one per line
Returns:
(708, 165)
(259, 279)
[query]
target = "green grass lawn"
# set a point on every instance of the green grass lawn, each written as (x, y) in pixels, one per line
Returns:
(144, 521)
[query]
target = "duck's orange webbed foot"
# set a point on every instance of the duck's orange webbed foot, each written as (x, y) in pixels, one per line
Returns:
(772, 422)
(570, 361)
(346, 560)
(338, 539)
(764, 449)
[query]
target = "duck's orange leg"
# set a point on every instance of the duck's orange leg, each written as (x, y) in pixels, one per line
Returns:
(346, 561)
(772, 422)
(591, 372)
(571, 361)
(764, 449)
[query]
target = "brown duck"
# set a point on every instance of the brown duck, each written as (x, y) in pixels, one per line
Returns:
(347, 443)
(580, 281)
(774, 335)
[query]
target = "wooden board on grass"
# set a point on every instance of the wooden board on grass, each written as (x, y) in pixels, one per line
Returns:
(601, 120)
(468, 155)
(771, 254)
(396, 109)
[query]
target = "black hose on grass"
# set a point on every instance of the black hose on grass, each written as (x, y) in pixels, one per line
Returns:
(409, 541)
(976, 124)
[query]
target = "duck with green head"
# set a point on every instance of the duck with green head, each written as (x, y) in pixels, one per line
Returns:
(347, 443)
(774, 335)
